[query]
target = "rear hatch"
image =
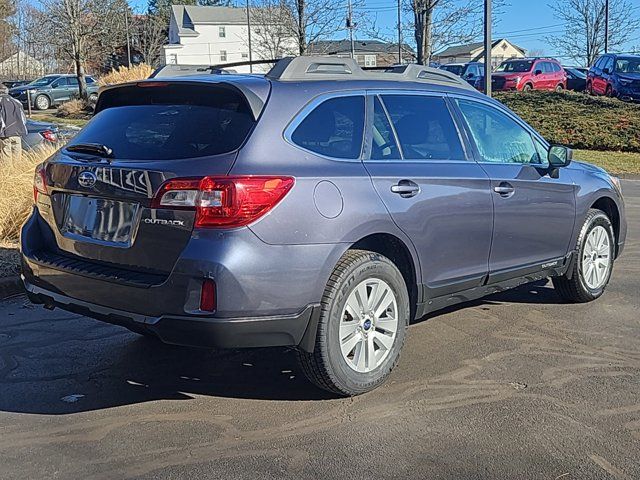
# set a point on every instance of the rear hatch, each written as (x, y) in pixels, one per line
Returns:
(99, 192)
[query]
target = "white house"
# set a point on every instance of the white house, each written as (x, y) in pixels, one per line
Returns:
(218, 35)
(501, 50)
(21, 65)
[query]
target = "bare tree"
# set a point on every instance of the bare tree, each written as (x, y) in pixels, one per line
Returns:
(149, 35)
(440, 23)
(82, 30)
(272, 29)
(314, 20)
(584, 27)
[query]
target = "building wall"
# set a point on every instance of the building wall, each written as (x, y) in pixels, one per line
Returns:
(501, 52)
(210, 48)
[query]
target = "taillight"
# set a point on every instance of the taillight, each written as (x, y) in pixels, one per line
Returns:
(49, 136)
(39, 182)
(224, 202)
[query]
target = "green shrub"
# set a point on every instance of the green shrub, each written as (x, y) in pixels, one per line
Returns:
(579, 120)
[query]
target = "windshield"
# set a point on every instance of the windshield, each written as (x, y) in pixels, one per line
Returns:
(515, 66)
(41, 82)
(628, 65)
(455, 69)
(170, 121)
(576, 73)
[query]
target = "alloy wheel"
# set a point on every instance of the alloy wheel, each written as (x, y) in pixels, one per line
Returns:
(369, 325)
(596, 258)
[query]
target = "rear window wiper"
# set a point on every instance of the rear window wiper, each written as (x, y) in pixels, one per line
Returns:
(91, 148)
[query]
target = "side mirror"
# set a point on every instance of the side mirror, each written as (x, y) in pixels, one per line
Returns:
(55, 85)
(606, 71)
(560, 156)
(469, 75)
(538, 72)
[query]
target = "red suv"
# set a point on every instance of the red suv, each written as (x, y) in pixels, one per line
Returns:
(529, 74)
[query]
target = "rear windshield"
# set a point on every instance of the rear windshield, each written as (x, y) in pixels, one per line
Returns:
(515, 66)
(455, 69)
(172, 121)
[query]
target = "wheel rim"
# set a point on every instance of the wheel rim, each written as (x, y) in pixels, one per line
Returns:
(596, 258)
(368, 325)
(42, 103)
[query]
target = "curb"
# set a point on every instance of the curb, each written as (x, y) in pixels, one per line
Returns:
(10, 286)
(628, 176)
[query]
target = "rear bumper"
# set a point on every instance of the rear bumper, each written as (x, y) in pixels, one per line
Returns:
(266, 331)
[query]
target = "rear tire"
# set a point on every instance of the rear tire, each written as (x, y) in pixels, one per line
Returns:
(355, 351)
(593, 265)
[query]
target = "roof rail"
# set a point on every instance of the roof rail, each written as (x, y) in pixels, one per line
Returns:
(338, 68)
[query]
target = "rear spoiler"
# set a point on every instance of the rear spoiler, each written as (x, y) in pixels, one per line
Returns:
(255, 90)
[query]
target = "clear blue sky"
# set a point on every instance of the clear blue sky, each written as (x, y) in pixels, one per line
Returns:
(525, 22)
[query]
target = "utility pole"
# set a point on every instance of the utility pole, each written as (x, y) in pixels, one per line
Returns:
(606, 26)
(487, 47)
(126, 26)
(249, 38)
(399, 33)
(350, 27)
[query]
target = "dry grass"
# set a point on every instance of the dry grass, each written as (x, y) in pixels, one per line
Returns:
(125, 74)
(16, 191)
(74, 109)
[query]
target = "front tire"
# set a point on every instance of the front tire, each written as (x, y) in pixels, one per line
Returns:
(42, 102)
(527, 87)
(592, 268)
(362, 327)
(559, 88)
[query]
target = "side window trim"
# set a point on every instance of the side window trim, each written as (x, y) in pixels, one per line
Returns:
(535, 136)
(311, 106)
(393, 128)
(462, 135)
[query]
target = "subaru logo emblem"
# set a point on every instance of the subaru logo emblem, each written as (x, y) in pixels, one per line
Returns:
(87, 179)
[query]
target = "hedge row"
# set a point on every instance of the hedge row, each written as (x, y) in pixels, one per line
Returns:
(579, 120)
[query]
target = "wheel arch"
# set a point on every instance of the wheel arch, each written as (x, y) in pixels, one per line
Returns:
(610, 208)
(396, 250)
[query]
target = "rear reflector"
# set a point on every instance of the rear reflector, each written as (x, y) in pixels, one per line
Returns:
(224, 202)
(208, 296)
(49, 136)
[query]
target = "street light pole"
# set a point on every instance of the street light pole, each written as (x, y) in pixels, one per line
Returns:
(606, 26)
(399, 33)
(350, 27)
(487, 47)
(249, 38)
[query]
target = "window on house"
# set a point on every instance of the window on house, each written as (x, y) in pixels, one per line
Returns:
(369, 60)
(222, 33)
(223, 55)
(245, 55)
(173, 59)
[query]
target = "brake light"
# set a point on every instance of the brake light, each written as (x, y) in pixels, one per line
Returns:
(224, 202)
(49, 136)
(39, 182)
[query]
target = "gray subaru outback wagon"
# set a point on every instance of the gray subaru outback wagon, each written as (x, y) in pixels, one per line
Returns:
(319, 206)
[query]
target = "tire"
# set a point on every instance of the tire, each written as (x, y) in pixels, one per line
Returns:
(589, 88)
(527, 87)
(559, 88)
(93, 98)
(350, 373)
(42, 102)
(582, 286)
(609, 92)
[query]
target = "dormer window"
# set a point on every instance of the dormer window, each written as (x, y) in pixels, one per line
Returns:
(222, 33)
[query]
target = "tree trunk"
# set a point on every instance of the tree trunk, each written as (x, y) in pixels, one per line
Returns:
(82, 81)
(423, 17)
(302, 36)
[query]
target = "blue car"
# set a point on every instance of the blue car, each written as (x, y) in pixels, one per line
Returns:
(472, 72)
(615, 75)
(319, 207)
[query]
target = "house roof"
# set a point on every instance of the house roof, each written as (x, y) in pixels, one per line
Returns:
(469, 48)
(329, 47)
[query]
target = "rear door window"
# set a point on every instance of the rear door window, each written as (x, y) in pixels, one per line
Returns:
(424, 127)
(334, 128)
(169, 121)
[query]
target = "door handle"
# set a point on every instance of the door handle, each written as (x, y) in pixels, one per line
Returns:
(406, 188)
(505, 189)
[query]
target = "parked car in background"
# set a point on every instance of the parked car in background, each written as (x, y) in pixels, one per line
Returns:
(576, 79)
(615, 75)
(292, 209)
(525, 74)
(472, 72)
(15, 83)
(53, 90)
(40, 134)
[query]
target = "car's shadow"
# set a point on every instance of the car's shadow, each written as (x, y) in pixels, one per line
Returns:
(45, 362)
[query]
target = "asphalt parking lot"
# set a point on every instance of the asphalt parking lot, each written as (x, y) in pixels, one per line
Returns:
(517, 386)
